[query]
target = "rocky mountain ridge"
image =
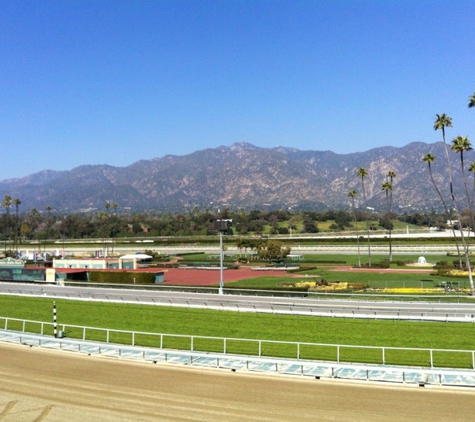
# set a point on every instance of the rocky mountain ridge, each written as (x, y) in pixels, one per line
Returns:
(244, 176)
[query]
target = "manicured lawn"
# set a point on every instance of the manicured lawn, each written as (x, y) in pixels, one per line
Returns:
(157, 319)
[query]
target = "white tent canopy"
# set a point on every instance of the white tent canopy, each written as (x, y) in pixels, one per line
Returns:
(136, 256)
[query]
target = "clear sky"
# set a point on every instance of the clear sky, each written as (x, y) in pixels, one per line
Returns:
(113, 82)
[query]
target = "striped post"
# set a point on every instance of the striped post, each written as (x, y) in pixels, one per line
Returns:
(55, 324)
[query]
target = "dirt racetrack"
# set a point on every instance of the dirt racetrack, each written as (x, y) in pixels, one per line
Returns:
(43, 385)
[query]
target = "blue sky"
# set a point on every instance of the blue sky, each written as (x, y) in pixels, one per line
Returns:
(113, 82)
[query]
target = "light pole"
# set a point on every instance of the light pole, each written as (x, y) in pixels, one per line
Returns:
(222, 226)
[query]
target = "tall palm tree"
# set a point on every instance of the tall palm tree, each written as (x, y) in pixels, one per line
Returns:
(459, 145)
(7, 203)
(388, 188)
(17, 204)
(442, 121)
(362, 172)
(471, 169)
(391, 175)
(471, 100)
(352, 194)
(429, 159)
(114, 208)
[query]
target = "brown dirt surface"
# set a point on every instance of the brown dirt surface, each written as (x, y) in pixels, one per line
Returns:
(192, 277)
(45, 385)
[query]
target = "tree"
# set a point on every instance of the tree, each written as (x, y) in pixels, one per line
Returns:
(7, 202)
(352, 194)
(388, 187)
(309, 225)
(17, 203)
(429, 159)
(471, 101)
(442, 121)
(460, 144)
(391, 175)
(471, 169)
(362, 172)
(272, 250)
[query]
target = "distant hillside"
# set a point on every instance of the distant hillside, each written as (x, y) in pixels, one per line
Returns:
(242, 176)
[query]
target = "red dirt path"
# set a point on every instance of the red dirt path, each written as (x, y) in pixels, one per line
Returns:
(203, 277)
(192, 277)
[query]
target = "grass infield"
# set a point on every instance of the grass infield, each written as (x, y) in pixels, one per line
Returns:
(331, 331)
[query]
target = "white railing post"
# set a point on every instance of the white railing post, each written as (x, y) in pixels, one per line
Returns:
(431, 359)
(338, 353)
(384, 355)
(260, 348)
(192, 346)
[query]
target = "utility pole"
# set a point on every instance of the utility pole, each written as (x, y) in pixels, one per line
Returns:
(222, 226)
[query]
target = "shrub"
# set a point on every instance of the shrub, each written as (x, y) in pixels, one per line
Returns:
(120, 277)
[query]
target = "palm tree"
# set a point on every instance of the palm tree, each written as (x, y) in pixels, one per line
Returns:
(388, 188)
(442, 121)
(471, 169)
(362, 172)
(17, 203)
(7, 202)
(352, 194)
(391, 175)
(114, 208)
(429, 159)
(471, 101)
(460, 144)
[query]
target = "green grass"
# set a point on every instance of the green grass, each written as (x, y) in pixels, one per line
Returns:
(155, 319)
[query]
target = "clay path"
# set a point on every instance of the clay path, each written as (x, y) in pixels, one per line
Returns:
(192, 277)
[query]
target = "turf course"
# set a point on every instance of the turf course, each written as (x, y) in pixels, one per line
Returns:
(157, 319)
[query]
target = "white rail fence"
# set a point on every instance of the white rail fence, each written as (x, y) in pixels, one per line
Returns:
(339, 353)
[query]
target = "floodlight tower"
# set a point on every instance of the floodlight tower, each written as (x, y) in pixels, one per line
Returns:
(222, 226)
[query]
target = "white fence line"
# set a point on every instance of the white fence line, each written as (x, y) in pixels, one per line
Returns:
(228, 345)
(304, 368)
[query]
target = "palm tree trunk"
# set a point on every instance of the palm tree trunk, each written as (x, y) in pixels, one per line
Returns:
(459, 219)
(448, 214)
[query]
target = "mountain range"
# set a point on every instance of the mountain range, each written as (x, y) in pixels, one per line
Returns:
(245, 176)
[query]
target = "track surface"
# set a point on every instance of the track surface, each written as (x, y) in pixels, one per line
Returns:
(41, 385)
